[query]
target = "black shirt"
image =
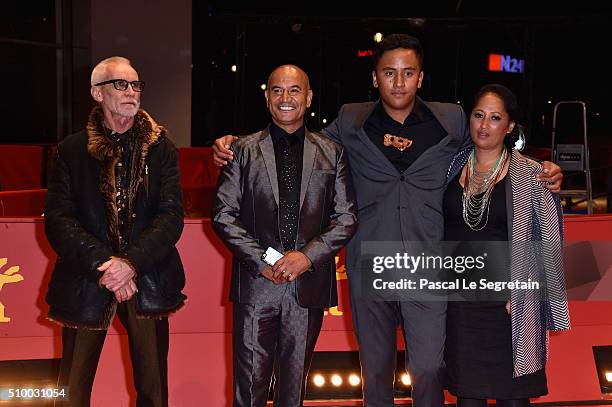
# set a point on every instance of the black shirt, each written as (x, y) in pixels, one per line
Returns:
(288, 152)
(420, 126)
(296, 141)
(122, 181)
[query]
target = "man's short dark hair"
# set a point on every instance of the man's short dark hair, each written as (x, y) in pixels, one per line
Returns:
(395, 41)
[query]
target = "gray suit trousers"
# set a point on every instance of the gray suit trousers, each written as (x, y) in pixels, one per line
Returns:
(424, 329)
(279, 336)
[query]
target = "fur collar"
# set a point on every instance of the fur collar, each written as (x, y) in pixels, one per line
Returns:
(146, 131)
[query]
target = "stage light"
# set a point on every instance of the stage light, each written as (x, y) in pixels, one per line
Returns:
(378, 37)
(324, 385)
(234, 68)
(603, 364)
(324, 121)
(263, 86)
(549, 102)
(318, 380)
(312, 114)
(336, 380)
(405, 379)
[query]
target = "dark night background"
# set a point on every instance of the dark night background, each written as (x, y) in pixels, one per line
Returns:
(562, 51)
(564, 48)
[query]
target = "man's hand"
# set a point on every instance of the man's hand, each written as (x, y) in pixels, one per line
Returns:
(291, 265)
(552, 175)
(126, 292)
(117, 273)
(269, 274)
(221, 150)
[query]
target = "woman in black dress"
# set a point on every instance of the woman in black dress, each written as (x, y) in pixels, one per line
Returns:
(496, 349)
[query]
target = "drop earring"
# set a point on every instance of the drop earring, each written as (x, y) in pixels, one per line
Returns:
(519, 144)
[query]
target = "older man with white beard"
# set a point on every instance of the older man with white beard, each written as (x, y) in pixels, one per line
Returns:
(113, 215)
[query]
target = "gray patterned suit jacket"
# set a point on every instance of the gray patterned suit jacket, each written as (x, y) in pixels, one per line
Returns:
(245, 216)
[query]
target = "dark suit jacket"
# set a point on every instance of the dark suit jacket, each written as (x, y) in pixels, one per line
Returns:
(245, 216)
(394, 206)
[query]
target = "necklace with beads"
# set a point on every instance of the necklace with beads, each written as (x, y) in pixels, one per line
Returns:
(477, 190)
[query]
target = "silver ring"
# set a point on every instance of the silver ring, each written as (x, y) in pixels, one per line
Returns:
(283, 272)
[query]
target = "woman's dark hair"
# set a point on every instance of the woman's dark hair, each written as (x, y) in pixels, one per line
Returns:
(511, 106)
(396, 41)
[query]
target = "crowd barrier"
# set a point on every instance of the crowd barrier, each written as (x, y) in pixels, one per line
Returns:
(22, 195)
(22, 166)
(200, 339)
(29, 202)
(27, 166)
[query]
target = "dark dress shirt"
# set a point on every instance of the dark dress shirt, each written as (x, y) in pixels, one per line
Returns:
(420, 126)
(288, 151)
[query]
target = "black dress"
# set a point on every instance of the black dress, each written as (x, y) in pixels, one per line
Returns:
(479, 338)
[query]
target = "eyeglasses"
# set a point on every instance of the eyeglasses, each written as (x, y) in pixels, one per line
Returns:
(122, 84)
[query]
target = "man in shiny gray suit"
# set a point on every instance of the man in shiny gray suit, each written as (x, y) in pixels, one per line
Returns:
(291, 190)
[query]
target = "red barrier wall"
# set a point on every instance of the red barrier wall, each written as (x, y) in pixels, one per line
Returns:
(21, 170)
(22, 203)
(21, 167)
(200, 340)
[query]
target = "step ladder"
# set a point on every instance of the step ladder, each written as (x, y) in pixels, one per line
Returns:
(574, 159)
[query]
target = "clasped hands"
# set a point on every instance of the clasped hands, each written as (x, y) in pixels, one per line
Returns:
(118, 277)
(287, 268)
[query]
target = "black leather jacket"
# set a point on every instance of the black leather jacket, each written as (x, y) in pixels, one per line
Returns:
(82, 226)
